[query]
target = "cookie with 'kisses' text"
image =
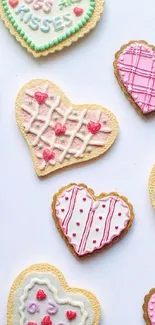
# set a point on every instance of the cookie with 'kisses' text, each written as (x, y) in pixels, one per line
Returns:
(46, 26)
(89, 223)
(41, 296)
(149, 308)
(134, 68)
(58, 132)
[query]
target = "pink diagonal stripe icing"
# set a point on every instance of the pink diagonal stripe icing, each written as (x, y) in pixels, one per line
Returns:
(151, 309)
(86, 229)
(136, 67)
(70, 210)
(90, 224)
(108, 221)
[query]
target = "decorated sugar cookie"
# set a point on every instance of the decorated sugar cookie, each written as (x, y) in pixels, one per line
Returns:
(41, 296)
(46, 26)
(89, 223)
(152, 186)
(134, 68)
(149, 308)
(58, 132)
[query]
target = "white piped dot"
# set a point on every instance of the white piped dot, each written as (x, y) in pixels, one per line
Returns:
(151, 307)
(153, 300)
(151, 314)
(125, 79)
(122, 58)
(135, 96)
(153, 58)
(122, 73)
(140, 104)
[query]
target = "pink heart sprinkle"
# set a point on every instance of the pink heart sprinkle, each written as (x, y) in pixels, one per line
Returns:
(93, 127)
(78, 11)
(40, 97)
(48, 154)
(59, 129)
(13, 3)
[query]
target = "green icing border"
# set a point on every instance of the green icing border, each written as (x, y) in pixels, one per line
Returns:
(55, 41)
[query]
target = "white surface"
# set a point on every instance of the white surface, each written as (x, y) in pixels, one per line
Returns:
(122, 275)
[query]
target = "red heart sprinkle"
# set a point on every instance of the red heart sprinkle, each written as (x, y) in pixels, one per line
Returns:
(46, 321)
(13, 3)
(31, 323)
(93, 127)
(71, 314)
(116, 227)
(59, 129)
(40, 97)
(48, 154)
(41, 295)
(78, 11)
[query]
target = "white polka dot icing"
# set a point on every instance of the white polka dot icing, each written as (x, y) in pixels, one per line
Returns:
(99, 220)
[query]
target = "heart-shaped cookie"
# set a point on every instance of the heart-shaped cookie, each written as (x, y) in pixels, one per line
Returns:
(134, 67)
(87, 222)
(149, 307)
(46, 26)
(63, 305)
(152, 186)
(58, 132)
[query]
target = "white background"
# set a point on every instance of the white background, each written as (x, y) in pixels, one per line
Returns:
(122, 275)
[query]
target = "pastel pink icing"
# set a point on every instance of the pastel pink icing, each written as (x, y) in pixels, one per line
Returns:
(151, 309)
(49, 139)
(89, 225)
(136, 67)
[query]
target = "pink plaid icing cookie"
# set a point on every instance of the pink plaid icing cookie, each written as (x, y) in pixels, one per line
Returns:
(149, 307)
(87, 222)
(41, 296)
(59, 133)
(134, 67)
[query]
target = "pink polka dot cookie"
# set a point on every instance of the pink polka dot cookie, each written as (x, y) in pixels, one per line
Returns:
(89, 223)
(134, 68)
(58, 132)
(149, 307)
(41, 296)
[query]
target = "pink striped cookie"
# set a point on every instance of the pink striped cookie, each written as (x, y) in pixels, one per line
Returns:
(134, 68)
(87, 222)
(149, 307)
(58, 132)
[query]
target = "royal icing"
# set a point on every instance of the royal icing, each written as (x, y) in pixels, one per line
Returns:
(58, 132)
(151, 309)
(136, 67)
(59, 308)
(90, 225)
(45, 23)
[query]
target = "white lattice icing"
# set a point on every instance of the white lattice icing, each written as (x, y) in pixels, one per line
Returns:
(40, 119)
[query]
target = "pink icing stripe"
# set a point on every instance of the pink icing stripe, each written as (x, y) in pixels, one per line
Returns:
(70, 210)
(86, 229)
(108, 221)
(136, 67)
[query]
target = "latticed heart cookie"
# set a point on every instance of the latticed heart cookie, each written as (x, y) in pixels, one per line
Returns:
(45, 26)
(41, 296)
(149, 307)
(87, 222)
(134, 67)
(60, 133)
